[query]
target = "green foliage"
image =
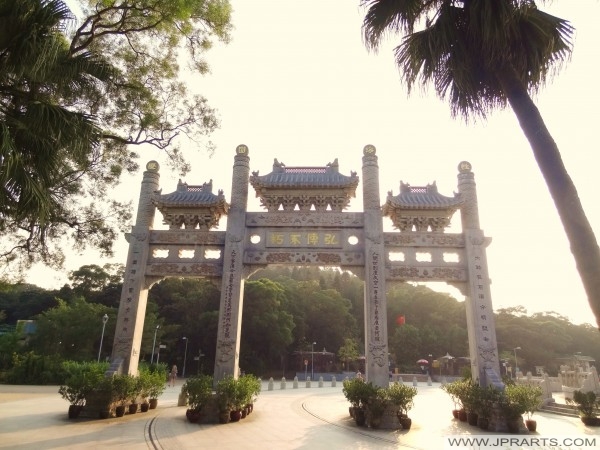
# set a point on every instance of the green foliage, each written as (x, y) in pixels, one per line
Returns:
(519, 399)
(375, 399)
(233, 394)
(358, 392)
(74, 100)
(154, 379)
(198, 390)
(349, 351)
(32, 368)
(124, 388)
(401, 396)
(73, 331)
(81, 379)
(587, 403)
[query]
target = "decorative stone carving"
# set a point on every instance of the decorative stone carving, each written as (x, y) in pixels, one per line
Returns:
(421, 208)
(191, 207)
(323, 189)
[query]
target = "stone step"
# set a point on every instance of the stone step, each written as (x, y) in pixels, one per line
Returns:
(561, 409)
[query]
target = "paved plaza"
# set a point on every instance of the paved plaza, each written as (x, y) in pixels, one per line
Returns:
(35, 417)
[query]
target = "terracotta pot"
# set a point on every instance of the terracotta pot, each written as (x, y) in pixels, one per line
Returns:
(462, 415)
(514, 425)
(133, 408)
(360, 417)
(153, 403)
(144, 407)
(483, 423)
(193, 416)
(531, 425)
(224, 417)
(235, 416)
(472, 418)
(455, 413)
(591, 421)
(120, 411)
(74, 411)
(405, 422)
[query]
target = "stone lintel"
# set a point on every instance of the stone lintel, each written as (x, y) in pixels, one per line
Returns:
(420, 239)
(400, 272)
(294, 257)
(191, 269)
(305, 219)
(187, 237)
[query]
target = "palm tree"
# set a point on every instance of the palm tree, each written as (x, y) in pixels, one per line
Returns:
(481, 55)
(46, 141)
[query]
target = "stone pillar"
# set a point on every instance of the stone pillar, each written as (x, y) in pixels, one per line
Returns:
(232, 284)
(483, 348)
(134, 295)
(376, 337)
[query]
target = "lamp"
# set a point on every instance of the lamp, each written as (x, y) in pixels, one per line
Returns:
(154, 344)
(104, 320)
(312, 360)
(185, 355)
(516, 365)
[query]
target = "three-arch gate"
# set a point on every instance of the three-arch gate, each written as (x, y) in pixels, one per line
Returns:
(304, 224)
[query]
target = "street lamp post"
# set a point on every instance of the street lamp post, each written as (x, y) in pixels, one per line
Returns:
(312, 360)
(154, 344)
(104, 320)
(516, 364)
(200, 355)
(185, 355)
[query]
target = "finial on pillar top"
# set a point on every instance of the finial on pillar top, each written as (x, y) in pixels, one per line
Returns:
(152, 166)
(464, 166)
(369, 149)
(241, 149)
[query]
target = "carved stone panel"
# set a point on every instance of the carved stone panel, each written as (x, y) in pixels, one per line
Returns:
(411, 273)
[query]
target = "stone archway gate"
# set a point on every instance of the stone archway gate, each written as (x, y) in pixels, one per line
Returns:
(304, 224)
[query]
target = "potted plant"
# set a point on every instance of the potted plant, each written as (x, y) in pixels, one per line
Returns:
(513, 405)
(358, 392)
(402, 397)
(252, 387)
(485, 401)
(226, 393)
(143, 387)
(464, 395)
(375, 407)
(80, 380)
(198, 391)
(587, 403)
(470, 397)
(532, 397)
(157, 380)
(122, 385)
(452, 390)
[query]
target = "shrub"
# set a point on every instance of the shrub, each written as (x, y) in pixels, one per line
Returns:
(81, 378)
(586, 403)
(198, 391)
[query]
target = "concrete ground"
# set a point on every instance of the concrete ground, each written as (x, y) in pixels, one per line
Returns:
(35, 417)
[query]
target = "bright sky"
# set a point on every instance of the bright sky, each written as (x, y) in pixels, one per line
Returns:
(297, 84)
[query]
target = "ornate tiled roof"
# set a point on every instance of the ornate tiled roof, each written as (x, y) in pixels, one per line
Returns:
(187, 195)
(421, 208)
(421, 197)
(304, 188)
(191, 206)
(315, 177)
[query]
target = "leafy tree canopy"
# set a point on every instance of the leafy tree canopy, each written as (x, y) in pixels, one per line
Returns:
(76, 95)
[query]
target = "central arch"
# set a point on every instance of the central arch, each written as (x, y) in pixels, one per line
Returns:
(305, 224)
